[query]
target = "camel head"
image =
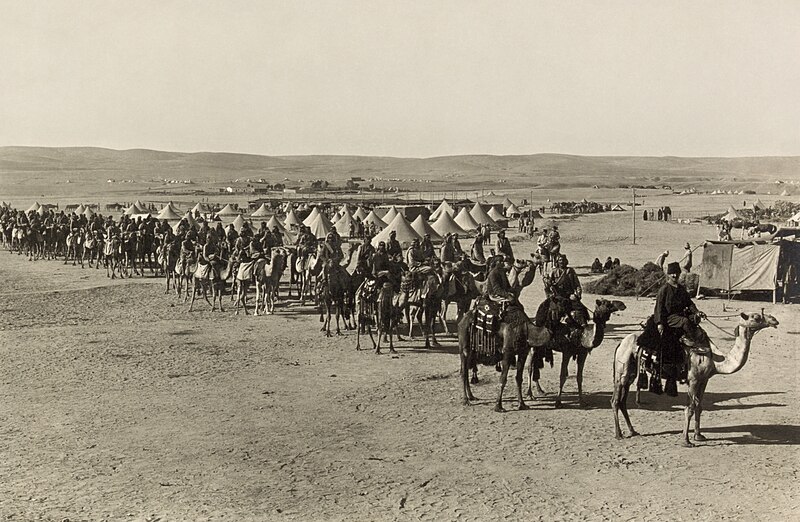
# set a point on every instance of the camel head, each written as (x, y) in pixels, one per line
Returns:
(757, 321)
(604, 308)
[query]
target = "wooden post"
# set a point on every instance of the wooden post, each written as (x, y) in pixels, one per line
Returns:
(634, 215)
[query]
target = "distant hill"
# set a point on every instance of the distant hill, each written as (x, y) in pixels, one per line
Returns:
(468, 170)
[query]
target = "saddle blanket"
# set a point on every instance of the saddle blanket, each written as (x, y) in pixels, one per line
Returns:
(203, 271)
(246, 271)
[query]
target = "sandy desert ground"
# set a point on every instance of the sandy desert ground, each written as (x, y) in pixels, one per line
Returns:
(119, 404)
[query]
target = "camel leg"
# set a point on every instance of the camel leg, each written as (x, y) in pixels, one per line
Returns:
(205, 286)
(191, 305)
(474, 379)
(466, 354)
(220, 293)
(498, 407)
(259, 297)
(520, 376)
(327, 325)
(579, 377)
(338, 305)
(562, 378)
(691, 406)
(701, 390)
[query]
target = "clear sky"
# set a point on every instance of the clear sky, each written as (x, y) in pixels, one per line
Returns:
(406, 78)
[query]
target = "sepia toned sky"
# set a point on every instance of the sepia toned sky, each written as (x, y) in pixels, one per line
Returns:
(404, 78)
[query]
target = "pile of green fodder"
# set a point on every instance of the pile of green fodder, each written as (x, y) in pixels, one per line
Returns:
(626, 280)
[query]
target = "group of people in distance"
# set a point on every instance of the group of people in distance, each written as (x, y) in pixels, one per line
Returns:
(598, 267)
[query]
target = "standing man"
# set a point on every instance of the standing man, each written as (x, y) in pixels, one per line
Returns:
(686, 260)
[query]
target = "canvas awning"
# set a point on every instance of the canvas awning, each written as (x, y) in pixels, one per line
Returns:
(744, 265)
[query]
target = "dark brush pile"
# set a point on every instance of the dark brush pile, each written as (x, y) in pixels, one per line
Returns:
(626, 280)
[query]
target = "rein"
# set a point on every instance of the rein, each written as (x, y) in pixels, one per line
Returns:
(732, 334)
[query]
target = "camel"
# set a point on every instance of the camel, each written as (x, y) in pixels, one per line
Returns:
(245, 274)
(578, 346)
(517, 334)
(701, 368)
(208, 274)
(111, 255)
(74, 247)
(268, 277)
(386, 315)
(334, 284)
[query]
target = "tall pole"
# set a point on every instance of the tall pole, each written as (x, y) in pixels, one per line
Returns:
(634, 216)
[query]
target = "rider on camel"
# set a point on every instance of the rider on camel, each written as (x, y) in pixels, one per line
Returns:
(393, 248)
(564, 292)
(427, 247)
(503, 246)
(498, 289)
(675, 310)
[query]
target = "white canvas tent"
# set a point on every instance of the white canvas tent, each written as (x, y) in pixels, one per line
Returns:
(360, 213)
(321, 226)
(390, 215)
(373, 218)
(496, 215)
(465, 220)
(444, 206)
(34, 207)
(731, 215)
(481, 217)
(275, 222)
(262, 211)
(291, 219)
(422, 227)
(343, 224)
(405, 233)
(228, 211)
(446, 225)
(311, 217)
(513, 211)
(168, 213)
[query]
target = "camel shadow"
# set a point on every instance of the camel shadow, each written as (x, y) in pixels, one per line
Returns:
(756, 434)
(711, 401)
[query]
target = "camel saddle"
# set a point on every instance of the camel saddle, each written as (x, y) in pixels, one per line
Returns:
(667, 357)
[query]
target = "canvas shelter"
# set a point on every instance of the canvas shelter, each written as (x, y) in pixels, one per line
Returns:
(445, 207)
(447, 225)
(405, 233)
(360, 213)
(422, 227)
(507, 203)
(336, 217)
(390, 215)
(795, 219)
(321, 226)
(496, 215)
(79, 210)
(228, 211)
(617, 208)
(291, 219)
(262, 211)
(135, 210)
(199, 208)
(481, 217)
(512, 211)
(758, 205)
(34, 207)
(344, 223)
(731, 215)
(238, 223)
(737, 266)
(372, 218)
(465, 220)
(311, 217)
(168, 213)
(275, 222)
(89, 213)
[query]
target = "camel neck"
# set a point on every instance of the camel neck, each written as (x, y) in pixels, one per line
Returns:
(737, 357)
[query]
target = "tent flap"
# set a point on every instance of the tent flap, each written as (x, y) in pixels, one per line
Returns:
(740, 267)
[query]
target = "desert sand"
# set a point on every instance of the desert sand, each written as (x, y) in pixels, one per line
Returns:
(119, 404)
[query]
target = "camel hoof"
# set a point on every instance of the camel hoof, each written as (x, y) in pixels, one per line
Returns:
(700, 437)
(618, 436)
(466, 402)
(559, 405)
(499, 408)
(523, 407)
(474, 380)
(687, 444)
(633, 433)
